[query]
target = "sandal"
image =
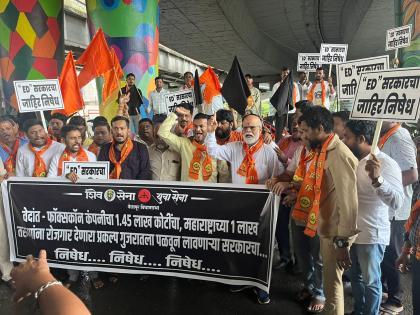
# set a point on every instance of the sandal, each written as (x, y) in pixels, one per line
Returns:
(316, 305)
(303, 295)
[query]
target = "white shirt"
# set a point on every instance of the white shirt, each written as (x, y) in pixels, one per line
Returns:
(372, 217)
(25, 160)
(303, 90)
(266, 161)
(329, 98)
(53, 170)
(166, 165)
(157, 102)
(402, 149)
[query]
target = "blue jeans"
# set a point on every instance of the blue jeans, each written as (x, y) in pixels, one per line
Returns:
(307, 251)
(365, 276)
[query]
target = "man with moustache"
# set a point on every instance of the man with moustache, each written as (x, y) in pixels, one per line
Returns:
(145, 135)
(224, 133)
(9, 144)
(57, 121)
(33, 158)
(327, 200)
(379, 187)
(101, 134)
(128, 159)
(196, 163)
(165, 163)
(184, 125)
(72, 152)
(252, 162)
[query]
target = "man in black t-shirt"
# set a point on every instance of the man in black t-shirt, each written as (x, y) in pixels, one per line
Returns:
(136, 99)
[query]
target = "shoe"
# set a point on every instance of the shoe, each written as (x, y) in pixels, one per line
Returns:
(239, 288)
(262, 296)
(283, 263)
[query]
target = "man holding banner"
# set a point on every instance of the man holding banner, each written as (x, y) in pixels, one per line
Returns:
(33, 158)
(321, 92)
(327, 200)
(10, 142)
(73, 151)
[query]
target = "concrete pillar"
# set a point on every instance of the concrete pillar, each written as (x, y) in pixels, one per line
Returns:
(31, 43)
(408, 12)
(132, 29)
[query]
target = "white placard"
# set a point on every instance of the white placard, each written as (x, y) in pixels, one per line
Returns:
(88, 170)
(398, 37)
(174, 99)
(348, 74)
(391, 95)
(38, 95)
(308, 62)
(332, 54)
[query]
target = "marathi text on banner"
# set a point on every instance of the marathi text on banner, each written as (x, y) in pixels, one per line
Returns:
(145, 227)
(399, 37)
(333, 53)
(88, 170)
(179, 97)
(388, 95)
(308, 62)
(348, 74)
(38, 95)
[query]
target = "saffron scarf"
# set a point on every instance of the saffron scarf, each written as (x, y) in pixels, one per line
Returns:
(81, 156)
(94, 148)
(125, 152)
(247, 167)
(285, 143)
(196, 166)
(10, 163)
(310, 96)
(387, 135)
(308, 199)
(40, 168)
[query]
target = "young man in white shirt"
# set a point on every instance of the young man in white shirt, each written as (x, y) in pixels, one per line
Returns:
(379, 187)
(73, 151)
(33, 158)
(321, 92)
(157, 99)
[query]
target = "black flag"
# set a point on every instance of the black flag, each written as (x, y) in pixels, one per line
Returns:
(282, 99)
(235, 90)
(197, 91)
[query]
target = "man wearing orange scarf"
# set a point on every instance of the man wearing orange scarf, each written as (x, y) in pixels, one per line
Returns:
(72, 152)
(101, 134)
(196, 163)
(321, 92)
(252, 162)
(33, 158)
(128, 159)
(327, 200)
(9, 144)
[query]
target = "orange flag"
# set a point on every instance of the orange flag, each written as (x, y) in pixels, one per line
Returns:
(112, 77)
(212, 88)
(70, 90)
(96, 59)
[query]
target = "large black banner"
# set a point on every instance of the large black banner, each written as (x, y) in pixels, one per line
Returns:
(213, 232)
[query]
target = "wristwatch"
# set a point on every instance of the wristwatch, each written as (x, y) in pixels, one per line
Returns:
(341, 243)
(378, 182)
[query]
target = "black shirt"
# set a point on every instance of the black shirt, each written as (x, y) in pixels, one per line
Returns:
(135, 166)
(135, 99)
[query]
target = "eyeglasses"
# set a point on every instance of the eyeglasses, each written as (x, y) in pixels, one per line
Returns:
(252, 128)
